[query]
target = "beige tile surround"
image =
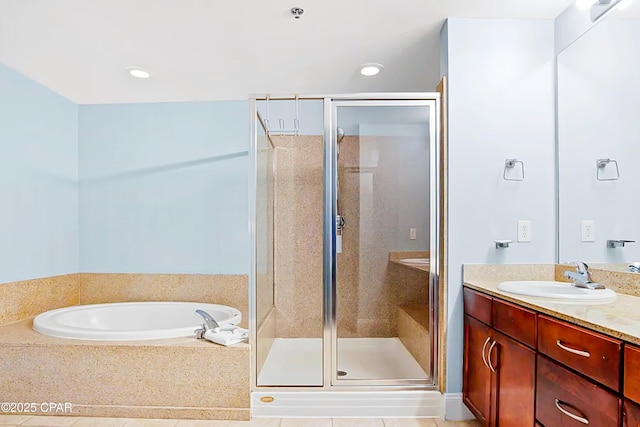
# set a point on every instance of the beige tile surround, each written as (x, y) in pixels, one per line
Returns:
(370, 286)
(413, 331)
(298, 231)
(176, 378)
(620, 281)
(27, 298)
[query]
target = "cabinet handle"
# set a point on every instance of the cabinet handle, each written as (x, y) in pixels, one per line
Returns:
(484, 359)
(489, 358)
(573, 350)
(582, 418)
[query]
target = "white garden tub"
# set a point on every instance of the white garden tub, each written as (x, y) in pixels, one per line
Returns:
(131, 320)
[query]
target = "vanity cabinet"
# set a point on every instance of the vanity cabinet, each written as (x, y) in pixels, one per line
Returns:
(524, 369)
(499, 370)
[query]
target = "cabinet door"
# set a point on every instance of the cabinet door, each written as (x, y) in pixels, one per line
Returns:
(631, 415)
(476, 388)
(632, 373)
(515, 366)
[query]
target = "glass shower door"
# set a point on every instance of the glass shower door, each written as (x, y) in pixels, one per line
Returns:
(382, 311)
(289, 242)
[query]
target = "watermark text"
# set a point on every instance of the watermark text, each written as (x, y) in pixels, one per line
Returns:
(36, 408)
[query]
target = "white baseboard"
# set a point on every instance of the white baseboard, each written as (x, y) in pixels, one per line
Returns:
(455, 409)
(336, 404)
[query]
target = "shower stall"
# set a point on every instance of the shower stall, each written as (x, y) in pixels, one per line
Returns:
(344, 208)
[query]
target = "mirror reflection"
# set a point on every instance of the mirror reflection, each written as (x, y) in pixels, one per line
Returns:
(599, 144)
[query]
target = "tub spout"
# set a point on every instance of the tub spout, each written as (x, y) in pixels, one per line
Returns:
(209, 323)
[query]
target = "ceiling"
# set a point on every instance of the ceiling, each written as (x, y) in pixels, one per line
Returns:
(223, 50)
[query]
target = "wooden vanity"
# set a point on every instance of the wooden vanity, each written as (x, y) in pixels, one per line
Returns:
(526, 367)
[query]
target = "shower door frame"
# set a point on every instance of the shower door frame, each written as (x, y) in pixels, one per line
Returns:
(329, 346)
(331, 105)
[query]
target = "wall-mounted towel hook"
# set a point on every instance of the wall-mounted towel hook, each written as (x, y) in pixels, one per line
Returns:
(511, 164)
(282, 130)
(618, 243)
(601, 165)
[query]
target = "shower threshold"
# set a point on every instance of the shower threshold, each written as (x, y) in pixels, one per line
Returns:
(348, 404)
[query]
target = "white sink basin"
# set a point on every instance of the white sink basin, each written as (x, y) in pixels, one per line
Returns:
(422, 261)
(556, 290)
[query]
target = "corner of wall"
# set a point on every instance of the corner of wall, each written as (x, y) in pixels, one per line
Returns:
(455, 409)
(444, 48)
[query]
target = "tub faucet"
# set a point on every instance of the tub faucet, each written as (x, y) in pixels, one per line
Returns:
(582, 277)
(209, 323)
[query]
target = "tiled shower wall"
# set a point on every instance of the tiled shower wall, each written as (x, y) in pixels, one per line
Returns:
(369, 288)
(298, 230)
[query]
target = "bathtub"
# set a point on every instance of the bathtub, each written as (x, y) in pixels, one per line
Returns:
(131, 320)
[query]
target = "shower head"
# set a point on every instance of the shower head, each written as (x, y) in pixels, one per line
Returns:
(340, 135)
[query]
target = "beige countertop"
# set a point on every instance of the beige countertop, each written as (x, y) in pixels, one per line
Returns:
(619, 319)
(397, 257)
(419, 267)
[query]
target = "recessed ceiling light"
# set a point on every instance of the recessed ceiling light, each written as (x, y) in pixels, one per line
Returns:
(371, 69)
(138, 72)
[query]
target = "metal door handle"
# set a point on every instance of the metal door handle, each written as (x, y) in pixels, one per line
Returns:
(489, 358)
(582, 418)
(484, 359)
(573, 350)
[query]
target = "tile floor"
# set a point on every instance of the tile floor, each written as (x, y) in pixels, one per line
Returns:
(41, 421)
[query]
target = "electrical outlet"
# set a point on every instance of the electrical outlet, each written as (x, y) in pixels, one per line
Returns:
(588, 230)
(413, 233)
(524, 231)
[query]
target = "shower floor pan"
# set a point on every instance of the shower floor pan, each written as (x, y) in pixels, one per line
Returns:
(298, 361)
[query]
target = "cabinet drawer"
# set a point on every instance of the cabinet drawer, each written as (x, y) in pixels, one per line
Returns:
(564, 398)
(632, 373)
(477, 305)
(592, 354)
(516, 322)
(630, 414)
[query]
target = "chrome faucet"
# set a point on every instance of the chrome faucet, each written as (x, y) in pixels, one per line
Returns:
(209, 323)
(582, 277)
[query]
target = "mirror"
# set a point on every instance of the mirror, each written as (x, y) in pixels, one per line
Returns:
(598, 79)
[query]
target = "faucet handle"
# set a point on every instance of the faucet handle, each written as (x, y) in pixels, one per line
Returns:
(581, 266)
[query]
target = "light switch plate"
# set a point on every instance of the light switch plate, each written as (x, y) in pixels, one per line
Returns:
(413, 233)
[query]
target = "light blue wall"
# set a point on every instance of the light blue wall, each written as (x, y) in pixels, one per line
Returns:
(38, 180)
(501, 106)
(164, 188)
